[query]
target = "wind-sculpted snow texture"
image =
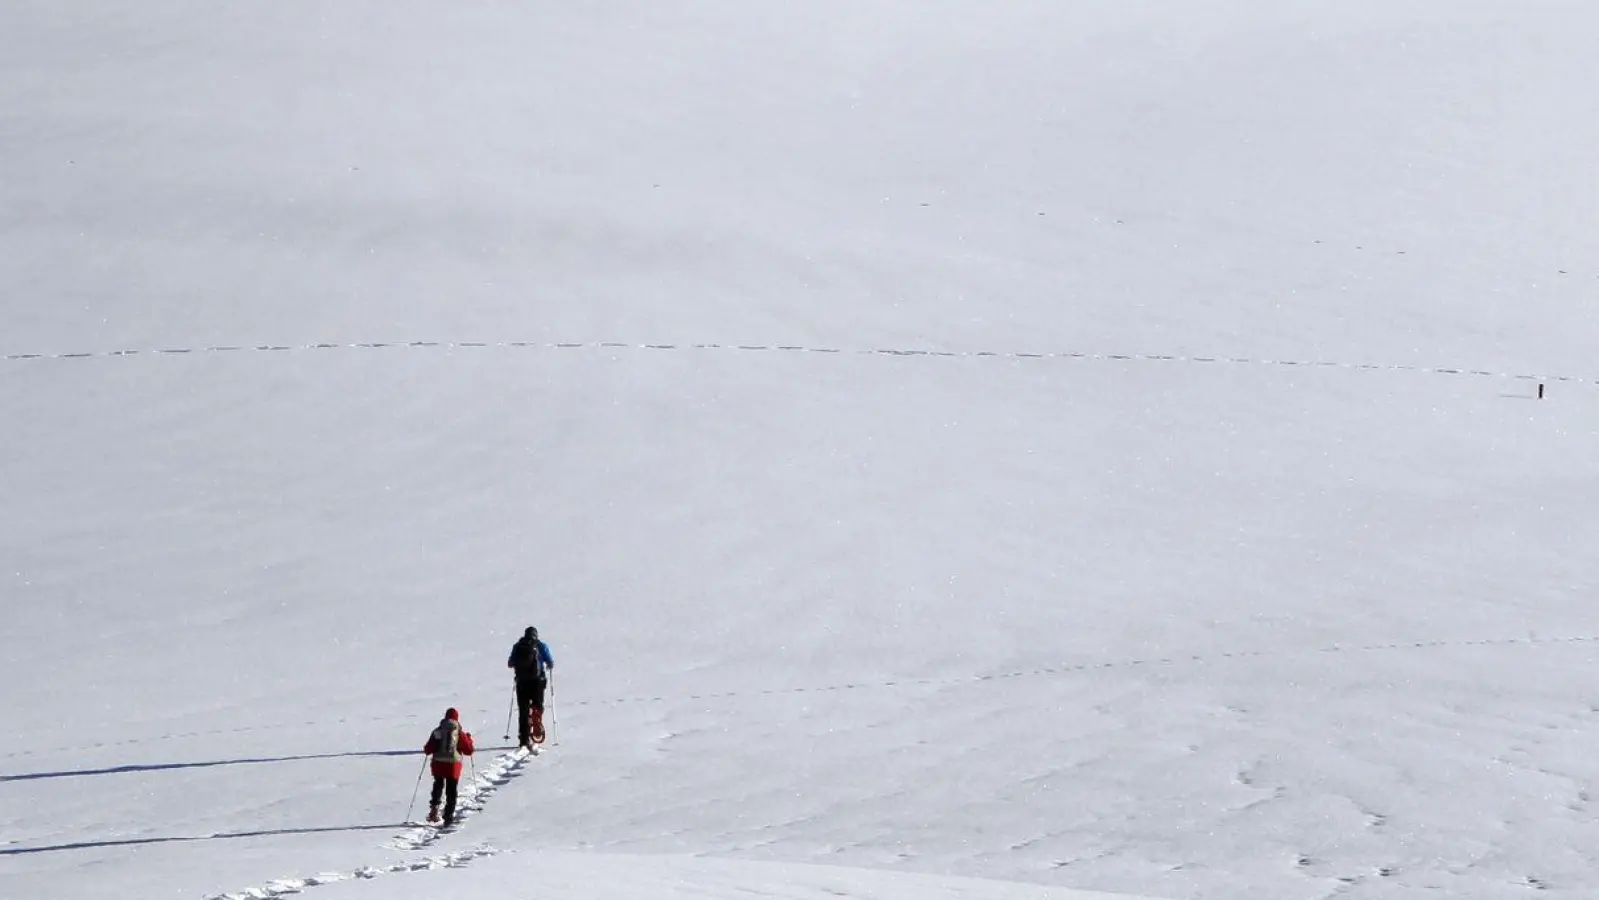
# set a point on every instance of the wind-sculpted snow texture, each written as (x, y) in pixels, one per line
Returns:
(963, 450)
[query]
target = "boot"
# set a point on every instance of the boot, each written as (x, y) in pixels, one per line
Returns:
(433, 814)
(538, 724)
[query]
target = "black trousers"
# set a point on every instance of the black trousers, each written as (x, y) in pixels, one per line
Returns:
(529, 693)
(447, 787)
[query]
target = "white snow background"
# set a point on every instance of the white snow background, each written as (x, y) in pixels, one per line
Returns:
(1199, 539)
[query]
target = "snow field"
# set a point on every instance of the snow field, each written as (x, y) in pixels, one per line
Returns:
(1176, 519)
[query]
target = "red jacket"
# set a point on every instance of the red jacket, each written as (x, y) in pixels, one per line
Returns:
(449, 768)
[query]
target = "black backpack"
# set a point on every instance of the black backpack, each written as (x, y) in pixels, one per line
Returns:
(525, 657)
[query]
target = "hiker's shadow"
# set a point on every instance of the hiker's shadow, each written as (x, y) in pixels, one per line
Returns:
(181, 839)
(167, 767)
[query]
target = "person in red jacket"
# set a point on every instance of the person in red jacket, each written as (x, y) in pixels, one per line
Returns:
(447, 745)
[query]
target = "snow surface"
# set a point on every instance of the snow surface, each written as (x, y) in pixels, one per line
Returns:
(954, 450)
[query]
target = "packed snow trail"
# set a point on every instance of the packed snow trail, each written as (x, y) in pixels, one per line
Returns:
(474, 795)
(280, 887)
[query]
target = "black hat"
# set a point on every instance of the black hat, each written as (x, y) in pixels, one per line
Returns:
(531, 632)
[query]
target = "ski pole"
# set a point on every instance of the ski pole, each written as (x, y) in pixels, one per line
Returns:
(418, 787)
(556, 741)
(510, 713)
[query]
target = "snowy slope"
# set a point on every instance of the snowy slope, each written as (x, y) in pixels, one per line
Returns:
(563, 875)
(1215, 550)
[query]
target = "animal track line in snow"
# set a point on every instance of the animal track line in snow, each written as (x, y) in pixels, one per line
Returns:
(285, 886)
(1038, 672)
(786, 348)
(1072, 668)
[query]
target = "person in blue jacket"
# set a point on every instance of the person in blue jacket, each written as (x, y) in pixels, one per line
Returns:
(531, 660)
